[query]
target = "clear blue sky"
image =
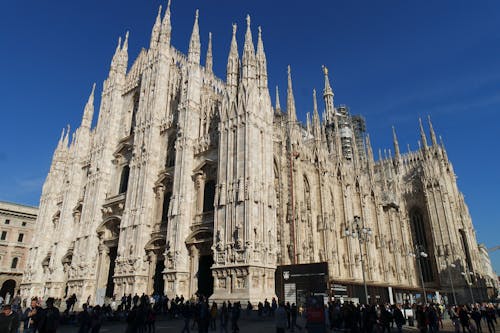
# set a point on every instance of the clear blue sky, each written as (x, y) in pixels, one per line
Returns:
(390, 60)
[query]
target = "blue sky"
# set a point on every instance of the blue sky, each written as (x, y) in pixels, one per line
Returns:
(390, 60)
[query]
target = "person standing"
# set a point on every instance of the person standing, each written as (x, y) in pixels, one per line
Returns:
(9, 321)
(84, 320)
(422, 319)
(293, 315)
(223, 317)
(50, 318)
(213, 316)
(235, 316)
(399, 318)
(32, 317)
(280, 318)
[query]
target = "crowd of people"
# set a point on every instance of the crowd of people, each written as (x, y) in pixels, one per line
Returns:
(140, 312)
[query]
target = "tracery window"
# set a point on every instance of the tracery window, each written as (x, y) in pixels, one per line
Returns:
(420, 239)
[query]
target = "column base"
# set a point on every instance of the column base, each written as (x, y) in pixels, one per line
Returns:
(243, 284)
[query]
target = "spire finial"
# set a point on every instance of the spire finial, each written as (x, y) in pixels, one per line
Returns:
(316, 121)
(197, 14)
(125, 43)
(155, 33)
(209, 57)
(315, 102)
(433, 134)
(194, 43)
(235, 27)
(278, 106)
(397, 153)
(290, 101)
(422, 133)
(328, 97)
(118, 46)
(248, 20)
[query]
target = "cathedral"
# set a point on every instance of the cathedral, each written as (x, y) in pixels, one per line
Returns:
(194, 184)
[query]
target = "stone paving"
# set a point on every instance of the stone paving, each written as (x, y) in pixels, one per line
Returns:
(252, 324)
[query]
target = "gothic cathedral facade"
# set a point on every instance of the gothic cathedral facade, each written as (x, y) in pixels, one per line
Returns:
(190, 183)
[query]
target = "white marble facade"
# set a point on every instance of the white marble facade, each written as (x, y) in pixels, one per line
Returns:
(184, 168)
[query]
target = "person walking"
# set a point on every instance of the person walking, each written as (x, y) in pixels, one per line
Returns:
(463, 315)
(491, 318)
(9, 321)
(476, 316)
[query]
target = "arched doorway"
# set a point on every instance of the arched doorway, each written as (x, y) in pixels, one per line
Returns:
(155, 249)
(199, 244)
(9, 287)
(109, 234)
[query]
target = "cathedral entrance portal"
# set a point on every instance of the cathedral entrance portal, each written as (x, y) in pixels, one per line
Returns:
(201, 258)
(158, 281)
(110, 284)
(205, 278)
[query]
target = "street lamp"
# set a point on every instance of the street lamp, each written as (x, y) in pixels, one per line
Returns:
(419, 254)
(469, 283)
(452, 265)
(357, 230)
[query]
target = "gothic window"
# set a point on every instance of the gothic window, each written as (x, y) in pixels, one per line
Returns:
(20, 238)
(124, 179)
(170, 151)
(307, 193)
(209, 196)
(134, 113)
(420, 239)
(465, 245)
(4, 235)
(166, 203)
(14, 263)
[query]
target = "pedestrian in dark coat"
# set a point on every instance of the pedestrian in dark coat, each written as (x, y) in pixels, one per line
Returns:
(9, 320)
(51, 317)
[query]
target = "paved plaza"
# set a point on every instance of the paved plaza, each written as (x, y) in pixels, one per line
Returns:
(252, 324)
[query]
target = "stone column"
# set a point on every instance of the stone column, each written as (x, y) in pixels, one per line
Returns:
(103, 266)
(194, 255)
(160, 194)
(152, 258)
(200, 188)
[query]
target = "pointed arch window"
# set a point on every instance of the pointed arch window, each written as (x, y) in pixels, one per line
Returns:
(420, 238)
(307, 193)
(124, 179)
(209, 196)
